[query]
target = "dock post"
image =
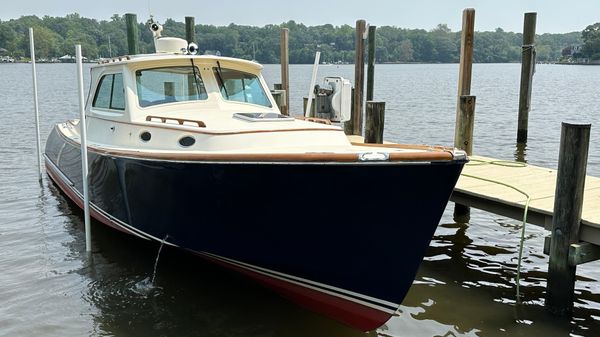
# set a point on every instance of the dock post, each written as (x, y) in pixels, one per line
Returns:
(285, 68)
(465, 107)
(132, 34)
(466, 55)
(568, 204)
(374, 122)
(348, 126)
(190, 29)
(371, 63)
(463, 140)
(359, 77)
(527, 70)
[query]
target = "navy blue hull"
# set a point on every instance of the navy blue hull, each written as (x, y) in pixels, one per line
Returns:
(354, 230)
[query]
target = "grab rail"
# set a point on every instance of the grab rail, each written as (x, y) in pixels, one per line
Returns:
(179, 121)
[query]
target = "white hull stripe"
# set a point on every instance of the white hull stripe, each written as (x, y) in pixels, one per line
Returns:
(368, 301)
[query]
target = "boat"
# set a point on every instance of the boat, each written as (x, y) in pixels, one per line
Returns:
(192, 150)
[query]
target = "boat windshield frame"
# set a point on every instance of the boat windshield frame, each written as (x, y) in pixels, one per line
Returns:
(189, 87)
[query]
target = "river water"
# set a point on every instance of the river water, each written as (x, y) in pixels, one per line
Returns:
(49, 286)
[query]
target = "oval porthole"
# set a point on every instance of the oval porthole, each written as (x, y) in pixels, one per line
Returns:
(145, 136)
(187, 141)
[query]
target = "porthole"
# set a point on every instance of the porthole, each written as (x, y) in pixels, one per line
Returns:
(145, 136)
(187, 141)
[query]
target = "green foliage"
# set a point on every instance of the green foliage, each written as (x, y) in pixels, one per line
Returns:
(56, 36)
(591, 41)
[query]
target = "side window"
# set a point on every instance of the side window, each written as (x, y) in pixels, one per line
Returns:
(110, 93)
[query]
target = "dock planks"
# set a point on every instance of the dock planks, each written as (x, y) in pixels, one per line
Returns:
(538, 182)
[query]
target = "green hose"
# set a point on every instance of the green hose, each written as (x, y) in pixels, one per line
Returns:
(507, 163)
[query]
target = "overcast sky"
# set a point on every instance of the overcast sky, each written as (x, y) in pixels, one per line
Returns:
(554, 16)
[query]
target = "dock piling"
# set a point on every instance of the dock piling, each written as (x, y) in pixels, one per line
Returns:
(568, 205)
(466, 54)
(463, 140)
(132, 34)
(527, 70)
(465, 107)
(371, 63)
(359, 77)
(285, 65)
(374, 122)
(190, 29)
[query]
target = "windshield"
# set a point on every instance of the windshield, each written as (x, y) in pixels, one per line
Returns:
(167, 85)
(240, 87)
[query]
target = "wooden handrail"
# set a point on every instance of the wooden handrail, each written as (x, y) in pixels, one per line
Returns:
(180, 121)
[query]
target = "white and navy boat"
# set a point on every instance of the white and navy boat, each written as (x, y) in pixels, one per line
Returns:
(194, 149)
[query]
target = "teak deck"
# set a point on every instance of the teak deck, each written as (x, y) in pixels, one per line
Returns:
(538, 182)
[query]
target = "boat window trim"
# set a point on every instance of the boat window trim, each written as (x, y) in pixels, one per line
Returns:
(221, 86)
(110, 100)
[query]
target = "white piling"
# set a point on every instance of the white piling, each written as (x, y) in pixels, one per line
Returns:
(313, 80)
(84, 159)
(35, 105)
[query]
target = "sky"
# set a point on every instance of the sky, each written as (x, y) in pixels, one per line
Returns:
(553, 16)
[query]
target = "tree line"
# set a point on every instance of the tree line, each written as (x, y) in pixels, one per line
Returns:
(56, 36)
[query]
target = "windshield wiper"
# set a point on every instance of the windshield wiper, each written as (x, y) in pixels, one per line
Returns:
(220, 75)
(196, 76)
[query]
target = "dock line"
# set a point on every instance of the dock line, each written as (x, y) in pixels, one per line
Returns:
(508, 163)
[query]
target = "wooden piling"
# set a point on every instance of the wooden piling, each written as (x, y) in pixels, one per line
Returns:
(285, 65)
(466, 54)
(279, 97)
(465, 107)
(348, 126)
(132, 34)
(463, 140)
(465, 123)
(371, 63)
(190, 29)
(359, 77)
(374, 122)
(527, 70)
(568, 205)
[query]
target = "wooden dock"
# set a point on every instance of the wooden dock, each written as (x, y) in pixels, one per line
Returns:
(539, 183)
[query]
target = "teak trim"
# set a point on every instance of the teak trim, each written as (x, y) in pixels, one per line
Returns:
(181, 121)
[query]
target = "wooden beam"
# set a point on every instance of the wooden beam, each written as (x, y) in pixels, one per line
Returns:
(583, 252)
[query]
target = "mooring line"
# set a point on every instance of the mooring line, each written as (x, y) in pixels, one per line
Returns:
(508, 163)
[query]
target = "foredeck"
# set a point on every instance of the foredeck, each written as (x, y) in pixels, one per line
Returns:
(481, 186)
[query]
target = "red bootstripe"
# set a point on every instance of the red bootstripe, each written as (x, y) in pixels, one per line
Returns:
(356, 315)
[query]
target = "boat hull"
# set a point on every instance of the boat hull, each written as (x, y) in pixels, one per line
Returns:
(344, 239)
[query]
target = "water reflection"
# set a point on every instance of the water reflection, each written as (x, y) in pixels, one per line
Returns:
(466, 287)
(189, 297)
(521, 152)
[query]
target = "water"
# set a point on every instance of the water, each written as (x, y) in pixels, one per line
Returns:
(49, 286)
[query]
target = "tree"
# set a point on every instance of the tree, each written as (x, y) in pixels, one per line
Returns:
(591, 41)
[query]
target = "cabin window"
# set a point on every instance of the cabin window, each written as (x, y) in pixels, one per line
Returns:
(110, 93)
(241, 87)
(167, 85)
